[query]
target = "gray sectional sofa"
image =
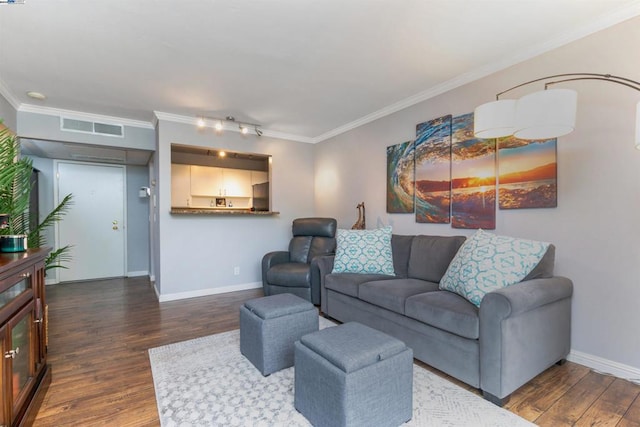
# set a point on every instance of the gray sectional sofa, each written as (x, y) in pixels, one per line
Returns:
(515, 334)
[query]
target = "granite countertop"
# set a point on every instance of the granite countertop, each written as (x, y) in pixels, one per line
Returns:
(221, 211)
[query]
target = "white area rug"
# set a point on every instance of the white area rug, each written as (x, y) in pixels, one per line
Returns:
(207, 382)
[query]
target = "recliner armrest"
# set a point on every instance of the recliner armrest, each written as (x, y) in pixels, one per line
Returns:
(270, 259)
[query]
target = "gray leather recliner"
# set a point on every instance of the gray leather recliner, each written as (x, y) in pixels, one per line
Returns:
(295, 271)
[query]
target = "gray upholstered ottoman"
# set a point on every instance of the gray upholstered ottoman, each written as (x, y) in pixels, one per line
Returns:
(353, 375)
(270, 325)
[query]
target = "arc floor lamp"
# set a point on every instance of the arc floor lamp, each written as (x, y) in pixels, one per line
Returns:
(545, 114)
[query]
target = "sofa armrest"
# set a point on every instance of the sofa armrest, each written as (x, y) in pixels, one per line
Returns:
(325, 266)
(270, 259)
(524, 329)
(318, 271)
(525, 296)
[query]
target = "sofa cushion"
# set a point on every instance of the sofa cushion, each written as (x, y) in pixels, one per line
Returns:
(431, 255)
(364, 251)
(391, 294)
(401, 249)
(447, 311)
(487, 262)
(348, 283)
(290, 274)
(544, 269)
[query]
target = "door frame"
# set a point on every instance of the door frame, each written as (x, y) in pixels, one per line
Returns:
(57, 200)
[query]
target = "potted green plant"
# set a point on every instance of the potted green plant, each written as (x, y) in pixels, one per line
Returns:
(15, 189)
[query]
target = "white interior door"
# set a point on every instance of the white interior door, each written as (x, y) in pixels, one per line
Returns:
(94, 225)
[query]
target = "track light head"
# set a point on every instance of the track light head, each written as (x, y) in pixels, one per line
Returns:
(258, 131)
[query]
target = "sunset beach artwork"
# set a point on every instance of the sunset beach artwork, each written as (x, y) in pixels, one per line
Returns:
(400, 178)
(433, 170)
(527, 173)
(473, 173)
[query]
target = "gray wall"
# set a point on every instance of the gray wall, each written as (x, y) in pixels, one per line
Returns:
(8, 114)
(595, 226)
(137, 221)
(196, 254)
(137, 213)
(42, 126)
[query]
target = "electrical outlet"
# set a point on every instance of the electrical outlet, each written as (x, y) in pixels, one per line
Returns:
(236, 271)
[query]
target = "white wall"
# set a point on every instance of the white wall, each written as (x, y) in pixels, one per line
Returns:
(197, 253)
(595, 226)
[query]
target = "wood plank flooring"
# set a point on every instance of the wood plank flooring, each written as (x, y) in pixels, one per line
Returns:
(100, 331)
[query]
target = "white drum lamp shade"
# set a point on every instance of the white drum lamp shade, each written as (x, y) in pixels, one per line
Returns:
(546, 114)
(495, 119)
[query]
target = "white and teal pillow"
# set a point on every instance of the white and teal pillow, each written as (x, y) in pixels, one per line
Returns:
(487, 262)
(364, 251)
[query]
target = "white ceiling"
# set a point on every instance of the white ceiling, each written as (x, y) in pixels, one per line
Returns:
(308, 69)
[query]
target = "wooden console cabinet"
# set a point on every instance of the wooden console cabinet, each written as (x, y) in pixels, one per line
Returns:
(24, 373)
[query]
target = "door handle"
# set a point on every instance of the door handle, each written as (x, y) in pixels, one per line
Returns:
(115, 224)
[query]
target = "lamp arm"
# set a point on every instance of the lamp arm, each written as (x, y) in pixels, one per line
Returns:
(635, 86)
(578, 76)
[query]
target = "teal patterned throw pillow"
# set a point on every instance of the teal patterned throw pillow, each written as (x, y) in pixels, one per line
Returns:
(487, 262)
(364, 251)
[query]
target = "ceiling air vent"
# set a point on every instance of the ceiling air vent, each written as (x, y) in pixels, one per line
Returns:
(95, 128)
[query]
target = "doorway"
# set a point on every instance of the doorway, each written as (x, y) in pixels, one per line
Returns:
(94, 225)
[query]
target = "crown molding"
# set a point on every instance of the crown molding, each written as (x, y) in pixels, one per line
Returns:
(78, 115)
(605, 21)
(8, 95)
(231, 127)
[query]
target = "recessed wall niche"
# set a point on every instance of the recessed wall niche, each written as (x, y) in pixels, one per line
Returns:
(219, 180)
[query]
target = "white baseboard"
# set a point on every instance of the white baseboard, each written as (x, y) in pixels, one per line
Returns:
(209, 291)
(137, 273)
(50, 281)
(605, 366)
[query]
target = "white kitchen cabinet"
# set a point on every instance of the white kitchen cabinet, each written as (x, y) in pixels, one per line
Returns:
(220, 182)
(237, 182)
(206, 181)
(180, 185)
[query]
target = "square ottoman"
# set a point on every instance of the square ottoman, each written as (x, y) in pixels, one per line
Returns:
(353, 375)
(270, 325)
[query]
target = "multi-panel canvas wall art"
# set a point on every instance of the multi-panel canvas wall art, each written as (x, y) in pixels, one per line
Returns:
(433, 170)
(527, 173)
(473, 173)
(400, 178)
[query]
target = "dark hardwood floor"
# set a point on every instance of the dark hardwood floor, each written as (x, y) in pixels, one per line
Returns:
(100, 331)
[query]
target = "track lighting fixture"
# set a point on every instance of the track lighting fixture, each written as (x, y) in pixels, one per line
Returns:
(223, 124)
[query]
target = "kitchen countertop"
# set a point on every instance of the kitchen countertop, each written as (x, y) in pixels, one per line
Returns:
(221, 211)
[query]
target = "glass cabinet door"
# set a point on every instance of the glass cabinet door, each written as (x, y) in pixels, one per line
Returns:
(19, 353)
(4, 417)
